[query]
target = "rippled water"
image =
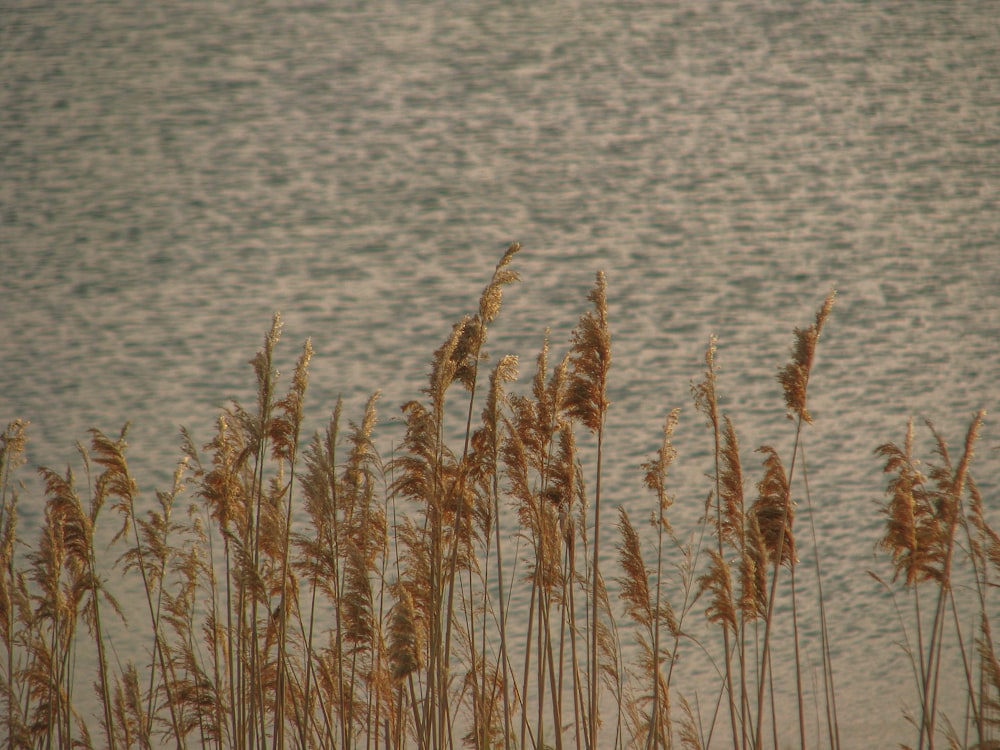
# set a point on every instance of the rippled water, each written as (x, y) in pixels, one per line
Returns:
(172, 174)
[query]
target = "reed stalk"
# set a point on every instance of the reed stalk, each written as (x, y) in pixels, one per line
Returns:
(467, 356)
(487, 443)
(587, 401)
(829, 690)
(794, 379)
(984, 547)
(655, 476)
(320, 489)
(724, 612)
(285, 440)
(950, 487)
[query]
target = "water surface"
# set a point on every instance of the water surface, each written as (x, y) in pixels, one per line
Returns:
(171, 175)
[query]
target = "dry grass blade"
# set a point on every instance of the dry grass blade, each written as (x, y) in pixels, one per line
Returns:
(655, 471)
(690, 735)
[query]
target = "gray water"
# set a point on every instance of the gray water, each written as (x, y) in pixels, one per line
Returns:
(171, 174)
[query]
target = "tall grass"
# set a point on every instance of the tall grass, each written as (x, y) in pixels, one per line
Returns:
(311, 592)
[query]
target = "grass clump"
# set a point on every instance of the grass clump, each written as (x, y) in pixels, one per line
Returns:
(310, 592)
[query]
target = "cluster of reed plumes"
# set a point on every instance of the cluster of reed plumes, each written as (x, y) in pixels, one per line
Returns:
(313, 593)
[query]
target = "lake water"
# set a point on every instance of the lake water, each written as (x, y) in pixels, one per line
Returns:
(173, 173)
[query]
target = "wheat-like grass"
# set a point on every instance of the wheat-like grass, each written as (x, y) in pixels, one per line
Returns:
(314, 595)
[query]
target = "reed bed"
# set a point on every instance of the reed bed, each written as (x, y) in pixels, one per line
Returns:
(314, 592)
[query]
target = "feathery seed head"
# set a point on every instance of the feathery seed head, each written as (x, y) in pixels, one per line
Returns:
(774, 510)
(753, 571)
(731, 487)
(704, 392)
(719, 582)
(489, 301)
(447, 359)
(656, 470)
(794, 377)
(590, 361)
(12, 443)
(908, 505)
(635, 583)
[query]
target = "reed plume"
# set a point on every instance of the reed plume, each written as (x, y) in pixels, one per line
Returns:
(909, 514)
(590, 361)
(690, 733)
(794, 377)
(773, 511)
(984, 555)
(427, 475)
(131, 720)
(469, 355)
(753, 572)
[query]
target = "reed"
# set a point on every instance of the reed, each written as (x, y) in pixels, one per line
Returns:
(926, 515)
(308, 592)
(587, 401)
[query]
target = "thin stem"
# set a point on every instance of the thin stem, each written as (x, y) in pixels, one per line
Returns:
(766, 652)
